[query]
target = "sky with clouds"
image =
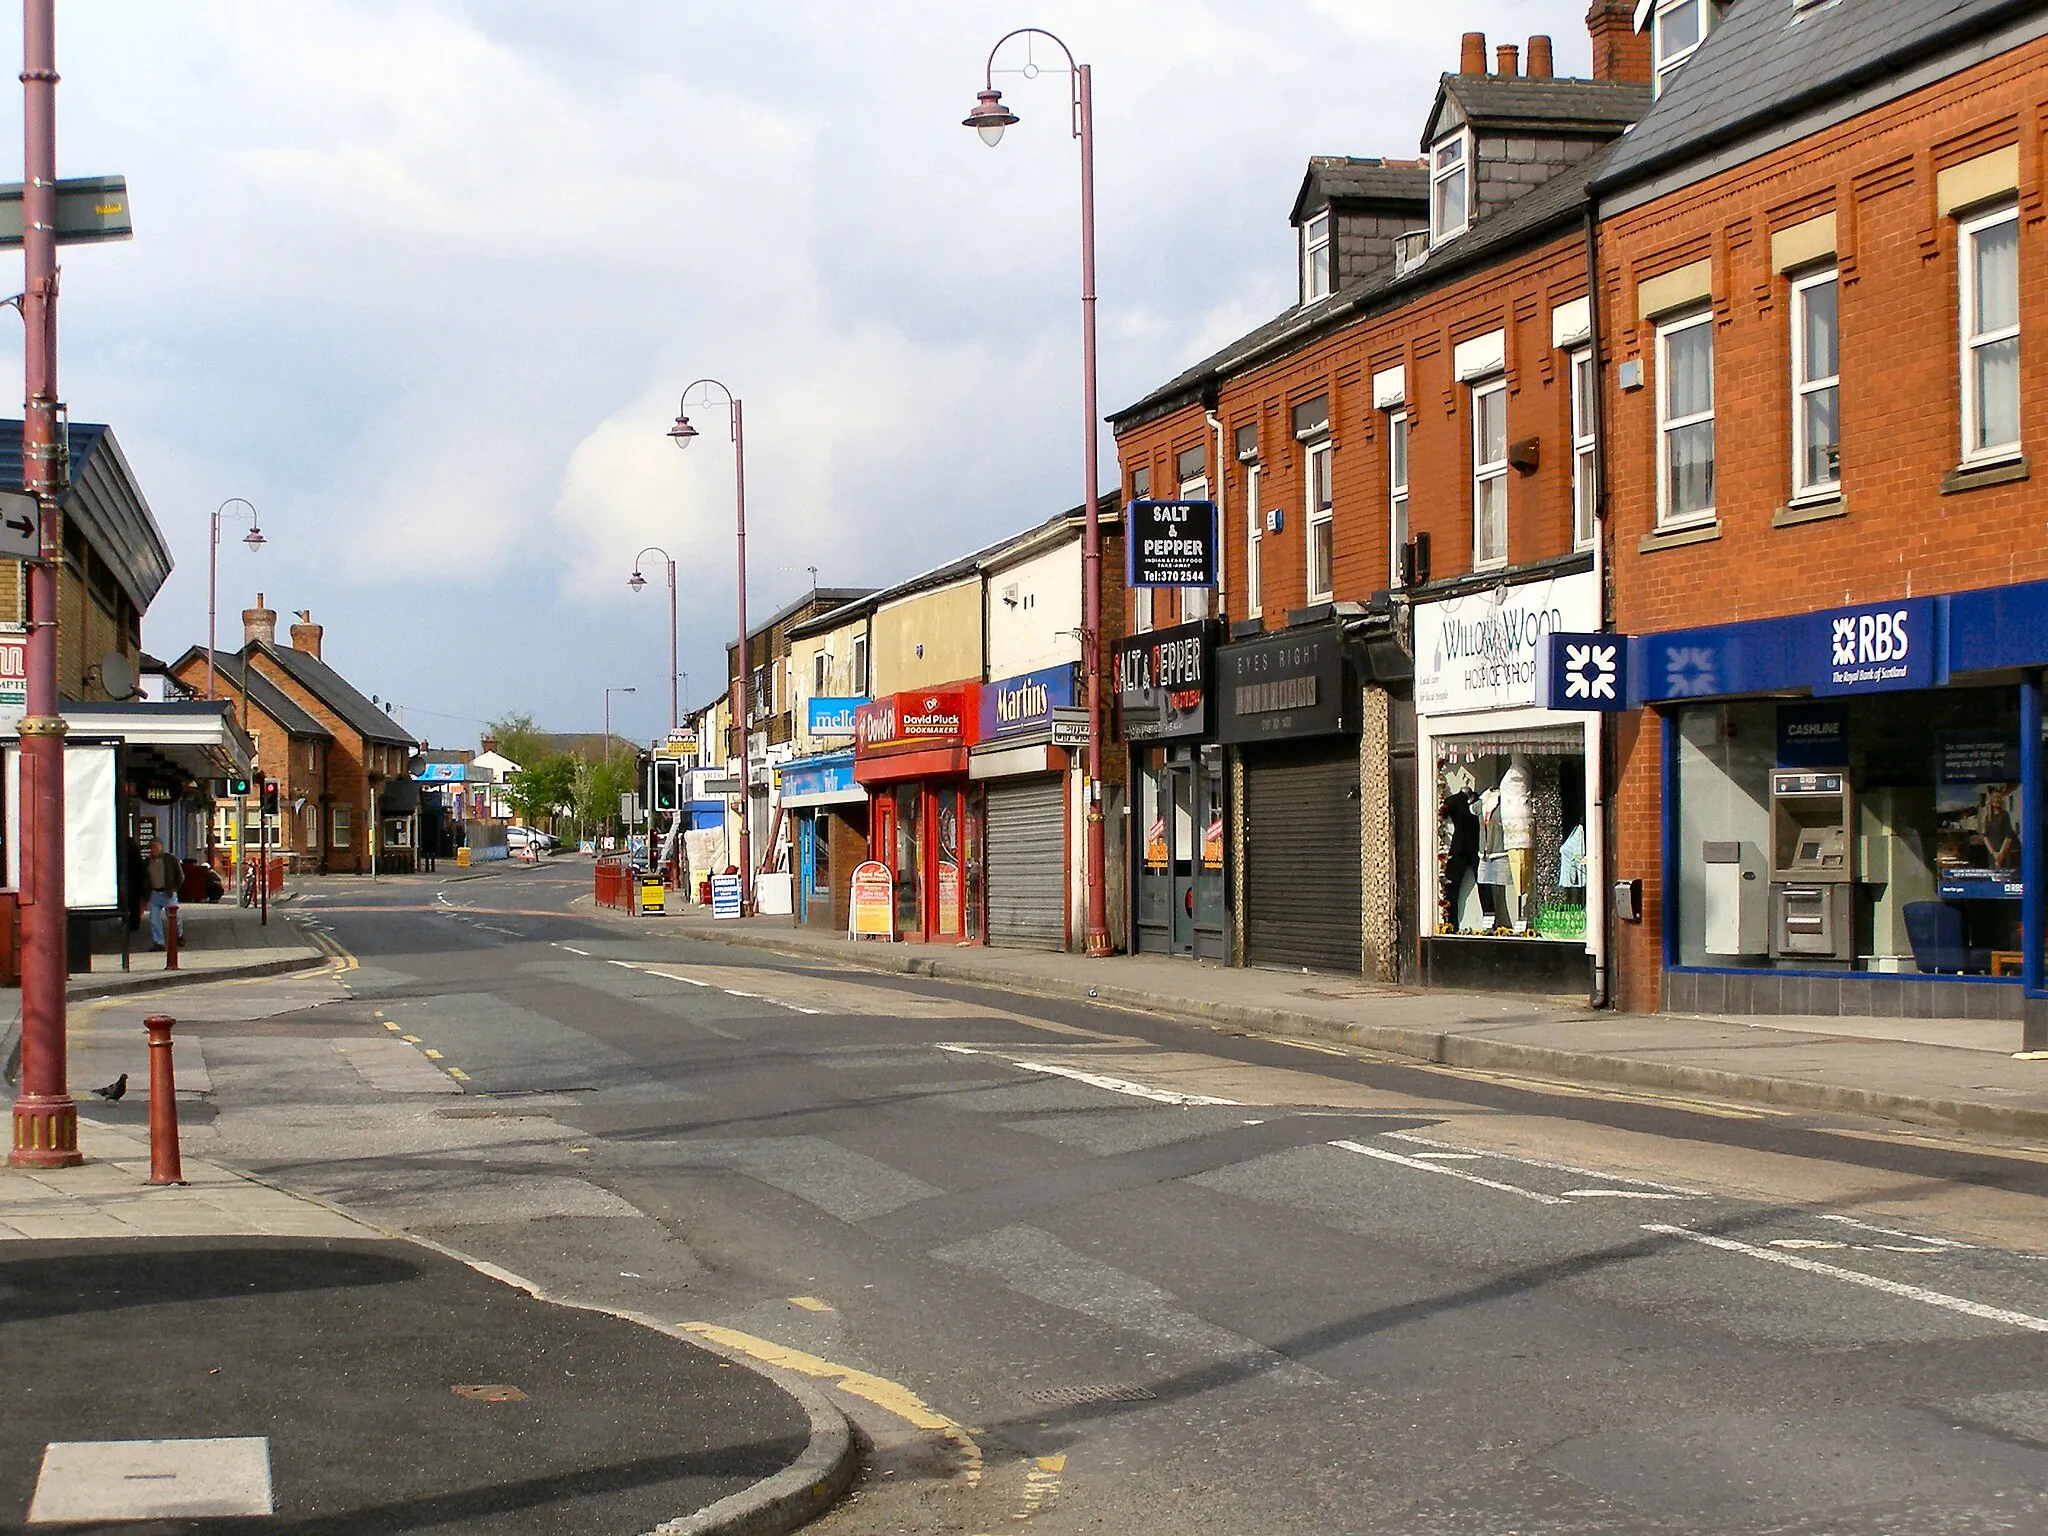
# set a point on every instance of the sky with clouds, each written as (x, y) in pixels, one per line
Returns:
(424, 280)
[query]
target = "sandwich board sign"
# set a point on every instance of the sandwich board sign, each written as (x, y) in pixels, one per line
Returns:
(872, 909)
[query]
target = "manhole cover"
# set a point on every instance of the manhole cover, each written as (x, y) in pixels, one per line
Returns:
(1074, 1397)
(490, 1392)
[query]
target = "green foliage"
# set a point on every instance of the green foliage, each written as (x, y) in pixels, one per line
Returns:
(544, 790)
(599, 785)
(519, 739)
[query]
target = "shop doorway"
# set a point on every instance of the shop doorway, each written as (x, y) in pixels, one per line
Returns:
(930, 837)
(1181, 891)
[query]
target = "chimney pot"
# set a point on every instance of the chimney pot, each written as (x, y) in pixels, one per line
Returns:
(1541, 64)
(1507, 59)
(259, 623)
(1472, 54)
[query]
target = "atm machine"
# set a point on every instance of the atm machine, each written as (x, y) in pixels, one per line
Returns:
(1813, 867)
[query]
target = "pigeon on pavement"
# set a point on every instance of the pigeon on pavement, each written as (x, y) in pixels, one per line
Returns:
(113, 1091)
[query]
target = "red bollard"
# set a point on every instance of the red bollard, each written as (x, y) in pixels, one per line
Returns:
(164, 1166)
(171, 937)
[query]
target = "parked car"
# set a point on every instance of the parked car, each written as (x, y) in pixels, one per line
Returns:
(519, 839)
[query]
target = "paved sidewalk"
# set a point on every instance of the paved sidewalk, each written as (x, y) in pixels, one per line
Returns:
(221, 940)
(1932, 1071)
(227, 1349)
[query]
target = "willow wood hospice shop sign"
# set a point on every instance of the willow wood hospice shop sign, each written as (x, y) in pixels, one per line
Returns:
(1480, 651)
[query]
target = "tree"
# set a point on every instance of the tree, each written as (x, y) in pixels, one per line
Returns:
(519, 739)
(600, 784)
(544, 790)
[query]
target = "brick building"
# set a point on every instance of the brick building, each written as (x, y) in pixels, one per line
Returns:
(1355, 776)
(348, 803)
(1824, 283)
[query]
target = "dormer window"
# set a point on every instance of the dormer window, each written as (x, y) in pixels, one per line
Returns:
(1315, 257)
(1678, 27)
(1450, 187)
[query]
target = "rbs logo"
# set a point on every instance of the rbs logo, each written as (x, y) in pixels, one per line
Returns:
(1866, 638)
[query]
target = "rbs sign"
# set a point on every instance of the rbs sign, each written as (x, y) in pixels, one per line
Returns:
(1890, 645)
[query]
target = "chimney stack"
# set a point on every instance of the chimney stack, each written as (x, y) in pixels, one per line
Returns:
(1472, 54)
(1541, 66)
(1620, 52)
(1507, 61)
(306, 634)
(259, 623)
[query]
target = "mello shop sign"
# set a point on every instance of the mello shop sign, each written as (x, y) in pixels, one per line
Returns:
(1480, 651)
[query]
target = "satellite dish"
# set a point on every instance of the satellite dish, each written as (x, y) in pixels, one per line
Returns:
(117, 675)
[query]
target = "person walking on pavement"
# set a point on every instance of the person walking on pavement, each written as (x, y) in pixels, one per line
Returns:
(165, 875)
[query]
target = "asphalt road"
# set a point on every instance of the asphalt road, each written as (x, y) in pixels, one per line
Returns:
(1077, 1269)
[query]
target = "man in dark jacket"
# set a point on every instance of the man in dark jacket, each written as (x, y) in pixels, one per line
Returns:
(164, 875)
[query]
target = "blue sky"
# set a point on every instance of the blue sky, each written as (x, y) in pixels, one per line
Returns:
(424, 279)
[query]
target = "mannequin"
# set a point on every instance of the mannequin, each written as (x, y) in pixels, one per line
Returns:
(1518, 833)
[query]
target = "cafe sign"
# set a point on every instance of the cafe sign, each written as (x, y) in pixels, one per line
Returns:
(1163, 679)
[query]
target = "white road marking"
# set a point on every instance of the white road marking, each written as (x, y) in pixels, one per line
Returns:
(1804, 1242)
(1450, 1157)
(1911, 1237)
(1622, 1194)
(1120, 1085)
(1604, 1175)
(1450, 1173)
(1919, 1293)
(957, 1050)
(572, 949)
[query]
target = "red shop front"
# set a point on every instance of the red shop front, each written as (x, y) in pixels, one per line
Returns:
(910, 754)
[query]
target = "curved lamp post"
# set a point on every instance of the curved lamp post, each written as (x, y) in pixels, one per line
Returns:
(254, 539)
(684, 434)
(989, 118)
(636, 581)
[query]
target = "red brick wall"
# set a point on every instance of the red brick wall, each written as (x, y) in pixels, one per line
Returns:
(1517, 296)
(1900, 397)
(278, 754)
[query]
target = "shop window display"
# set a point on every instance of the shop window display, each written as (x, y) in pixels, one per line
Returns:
(1872, 834)
(1511, 835)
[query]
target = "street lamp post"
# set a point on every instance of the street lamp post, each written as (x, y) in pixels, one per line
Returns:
(989, 118)
(636, 581)
(254, 539)
(45, 1118)
(684, 433)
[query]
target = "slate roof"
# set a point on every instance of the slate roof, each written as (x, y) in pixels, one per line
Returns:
(107, 505)
(331, 689)
(1559, 105)
(1544, 211)
(263, 693)
(1767, 63)
(1109, 511)
(1353, 179)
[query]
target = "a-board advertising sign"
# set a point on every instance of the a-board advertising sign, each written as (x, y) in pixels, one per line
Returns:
(653, 898)
(92, 825)
(872, 907)
(1171, 543)
(725, 895)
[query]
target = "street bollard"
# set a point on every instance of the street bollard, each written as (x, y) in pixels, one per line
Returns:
(164, 1166)
(171, 921)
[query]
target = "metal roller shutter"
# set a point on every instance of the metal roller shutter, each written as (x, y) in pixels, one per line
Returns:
(1303, 897)
(1027, 863)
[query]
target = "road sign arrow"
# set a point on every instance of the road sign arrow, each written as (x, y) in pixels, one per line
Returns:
(18, 526)
(25, 526)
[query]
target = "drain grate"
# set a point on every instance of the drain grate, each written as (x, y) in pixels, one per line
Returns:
(1076, 1397)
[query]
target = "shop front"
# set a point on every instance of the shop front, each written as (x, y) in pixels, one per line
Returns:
(1166, 717)
(925, 814)
(1030, 796)
(1505, 820)
(828, 812)
(1852, 809)
(1289, 704)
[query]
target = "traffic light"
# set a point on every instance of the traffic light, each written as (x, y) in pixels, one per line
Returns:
(239, 785)
(270, 797)
(667, 784)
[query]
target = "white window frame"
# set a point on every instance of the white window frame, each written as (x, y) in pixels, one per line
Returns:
(1804, 387)
(340, 830)
(1668, 424)
(821, 674)
(1254, 541)
(860, 664)
(1194, 601)
(1318, 257)
(1438, 175)
(1968, 233)
(1585, 384)
(1140, 483)
(1489, 473)
(1319, 460)
(1664, 66)
(1397, 490)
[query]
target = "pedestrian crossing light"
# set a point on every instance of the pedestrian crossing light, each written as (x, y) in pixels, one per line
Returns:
(667, 786)
(238, 785)
(270, 797)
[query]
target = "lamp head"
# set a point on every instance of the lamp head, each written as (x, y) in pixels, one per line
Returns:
(254, 538)
(683, 433)
(636, 581)
(989, 117)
